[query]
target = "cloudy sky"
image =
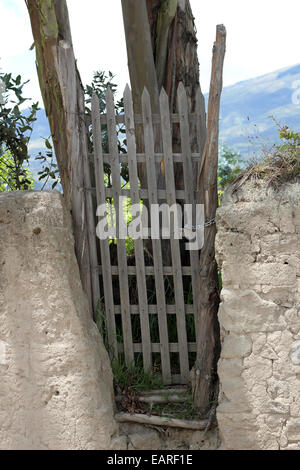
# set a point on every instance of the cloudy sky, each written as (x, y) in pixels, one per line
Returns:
(263, 36)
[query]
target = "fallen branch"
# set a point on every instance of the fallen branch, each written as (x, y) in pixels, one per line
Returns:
(165, 391)
(161, 421)
(166, 398)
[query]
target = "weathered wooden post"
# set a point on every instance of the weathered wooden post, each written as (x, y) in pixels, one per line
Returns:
(208, 298)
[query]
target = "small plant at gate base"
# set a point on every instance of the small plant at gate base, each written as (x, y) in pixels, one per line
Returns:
(133, 377)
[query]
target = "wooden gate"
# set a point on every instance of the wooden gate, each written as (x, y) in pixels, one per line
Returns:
(118, 273)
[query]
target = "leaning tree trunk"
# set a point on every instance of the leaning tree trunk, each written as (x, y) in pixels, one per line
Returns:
(162, 52)
(63, 97)
(208, 337)
(174, 43)
(141, 69)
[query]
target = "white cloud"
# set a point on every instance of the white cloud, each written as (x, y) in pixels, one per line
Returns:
(36, 144)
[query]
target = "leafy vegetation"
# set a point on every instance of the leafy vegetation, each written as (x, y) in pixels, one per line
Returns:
(15, 132)
(16, 126)
(100, 84)
(11, 178)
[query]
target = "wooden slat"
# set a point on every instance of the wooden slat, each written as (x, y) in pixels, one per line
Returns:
(188, 177)
(152, 309)
(104, 244)
(141, 157)
(156, 347)
(138, 243)
(138, 118)
(144, 193)
(150, 271)
(175, 248)
(121, 246)
(156, 244)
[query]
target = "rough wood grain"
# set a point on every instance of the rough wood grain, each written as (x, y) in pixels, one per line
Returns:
(201, 131)
(207, 326)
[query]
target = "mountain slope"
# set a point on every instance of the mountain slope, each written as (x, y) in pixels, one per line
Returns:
(246, 108)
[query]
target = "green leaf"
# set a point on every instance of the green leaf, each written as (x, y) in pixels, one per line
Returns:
(47, 143)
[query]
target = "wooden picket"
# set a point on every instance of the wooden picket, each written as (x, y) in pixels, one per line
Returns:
(156, 243)
(175, 248)
(188, 175)
(121, 245)
(170, 195)
(138, 244)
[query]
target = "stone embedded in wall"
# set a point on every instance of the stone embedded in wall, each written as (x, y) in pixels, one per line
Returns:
(293, 430)
(56, 381)
(295, 353)
(258, 249)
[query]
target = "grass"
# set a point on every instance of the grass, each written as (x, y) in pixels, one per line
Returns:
(133, 378)
(130, 381)
(186, 410)
(279, 165)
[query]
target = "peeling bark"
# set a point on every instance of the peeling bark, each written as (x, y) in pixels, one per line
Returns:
(181, 62)
(174, 43)
(166, 15)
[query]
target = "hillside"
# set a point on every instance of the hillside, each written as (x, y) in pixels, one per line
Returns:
(247, 106)
(245, 123)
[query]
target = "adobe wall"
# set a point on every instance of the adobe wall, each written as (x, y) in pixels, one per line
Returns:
(56, 381)
(258, 250)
